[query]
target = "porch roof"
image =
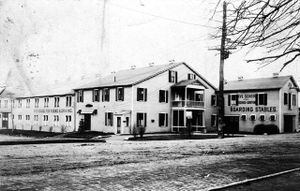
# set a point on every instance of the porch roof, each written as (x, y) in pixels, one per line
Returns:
(189, 83)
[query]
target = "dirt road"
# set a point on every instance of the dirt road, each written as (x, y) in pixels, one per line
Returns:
(152, 165)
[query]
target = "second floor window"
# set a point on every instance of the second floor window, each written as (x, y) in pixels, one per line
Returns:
(68, 101)
(214, 100)
(173, 76)
(45, 117)
(68, 118)
(27, 117)
(233, 99)
(105, 94)
(191, 76)
(96, 95)
(19, 103)
(36, 117)
(56, 102)
(119, 94)
(80, 96)
(36, 102)
(142, 94)
(27, 103)
(46, 102)
(262, 99)
(163, 96)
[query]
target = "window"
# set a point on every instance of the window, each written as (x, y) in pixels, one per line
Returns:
(233, 99)
(141, 119)
(191, 76)
(243, 117)
(13, 103)
(105, 94)
(55, 118)
(119, 94)
(252, 117)
(163, 96)
(294, 100)
(46, 102)
(36, 117)
(36, 102)
(68, 101)
(178, 118)
(141, 94)
(163, 119)
(56, 101)
(272, 117)
(108, 119)
(46, 118)
(262, 117)
(262, 99)
(5, 103)
(27, 117)
(68, 118)
(27, 103)
(199, 95)
(80, 96)
(285, 99)
(214, 100)
(213, 120)
(173, 76)
(19, 103)
(127, 121)
(96, 95)
(19, 117)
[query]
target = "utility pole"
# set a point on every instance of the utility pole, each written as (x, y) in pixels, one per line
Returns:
(223, 55)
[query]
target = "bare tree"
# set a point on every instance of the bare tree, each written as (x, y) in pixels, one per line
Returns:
(271, 24)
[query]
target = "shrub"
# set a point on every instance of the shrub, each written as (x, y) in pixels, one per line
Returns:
(269, 129)
(142, 131)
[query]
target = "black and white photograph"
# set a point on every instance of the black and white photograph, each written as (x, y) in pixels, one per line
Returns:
(166, 95)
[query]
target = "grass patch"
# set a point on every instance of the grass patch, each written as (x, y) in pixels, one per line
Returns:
(171, 137)
(28, 133)
(85, 134)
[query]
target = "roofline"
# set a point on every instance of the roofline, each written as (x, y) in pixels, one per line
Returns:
(101, 87)
(249, 90)
(38, 96)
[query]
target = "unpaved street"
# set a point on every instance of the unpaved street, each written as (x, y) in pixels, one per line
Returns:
(151, 165)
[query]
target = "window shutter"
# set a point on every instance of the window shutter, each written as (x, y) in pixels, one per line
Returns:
(105, 118)
(160, 96)
(159, 119)
(145, 94)
(112, 119)
(176, 76)
(229, 100)
(266, 99)
(137, 120)
(256, 99)
(167, 120)
(170, 73)
(237, 99)
(212, 99)
(93, 94)
(145, 119)
(167, 96)
(122, 94)
(289, 100)
(116, 94)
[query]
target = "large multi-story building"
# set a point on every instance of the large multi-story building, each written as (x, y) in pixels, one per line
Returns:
(262, 101)
(156, 97)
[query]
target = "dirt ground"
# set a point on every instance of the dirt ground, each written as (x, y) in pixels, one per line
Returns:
(146, 165)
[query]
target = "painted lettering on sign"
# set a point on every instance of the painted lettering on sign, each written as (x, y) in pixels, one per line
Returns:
(253, 109)
(247, 99)
(52, 110)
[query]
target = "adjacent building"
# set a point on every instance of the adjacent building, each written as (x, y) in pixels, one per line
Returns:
(253, 102)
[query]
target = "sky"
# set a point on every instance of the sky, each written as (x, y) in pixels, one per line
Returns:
(49, 41)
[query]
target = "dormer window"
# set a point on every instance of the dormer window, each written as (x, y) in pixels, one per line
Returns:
(191, 76)
(173, 76)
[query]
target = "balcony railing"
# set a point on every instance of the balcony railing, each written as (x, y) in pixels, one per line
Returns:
(188, 103)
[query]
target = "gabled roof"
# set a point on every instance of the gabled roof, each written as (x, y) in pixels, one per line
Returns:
(134, 76)
(259, 84)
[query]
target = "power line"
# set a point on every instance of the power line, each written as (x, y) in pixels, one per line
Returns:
(161, 17)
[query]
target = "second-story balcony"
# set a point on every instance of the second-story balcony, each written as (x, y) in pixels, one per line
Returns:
(188, 94)
(188, 103)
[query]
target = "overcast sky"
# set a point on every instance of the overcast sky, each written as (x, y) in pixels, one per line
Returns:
(48, 40)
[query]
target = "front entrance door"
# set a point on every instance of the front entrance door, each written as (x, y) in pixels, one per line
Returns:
(288, 123)
(5, 120)
(118, 125)
(232, 124)
(87, 122)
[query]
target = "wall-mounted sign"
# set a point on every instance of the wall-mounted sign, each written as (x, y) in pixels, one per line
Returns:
(53, 110)
(253, 109)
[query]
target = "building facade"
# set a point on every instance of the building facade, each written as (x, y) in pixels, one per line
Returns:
(156, 97)
(263, 101)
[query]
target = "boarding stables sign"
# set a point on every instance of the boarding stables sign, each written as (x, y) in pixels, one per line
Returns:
(52, 110)
(246, 102)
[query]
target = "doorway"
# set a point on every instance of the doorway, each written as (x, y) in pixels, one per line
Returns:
(87, 122)
(118, 125)
(232, 124)
(288, 123)
(5, 120)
